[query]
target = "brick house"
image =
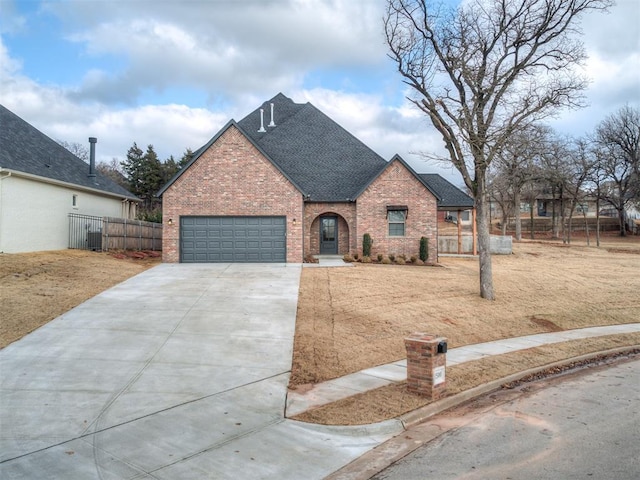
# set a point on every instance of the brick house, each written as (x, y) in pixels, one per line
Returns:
(286, 182)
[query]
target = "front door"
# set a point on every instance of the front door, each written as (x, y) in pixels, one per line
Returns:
(329, 235)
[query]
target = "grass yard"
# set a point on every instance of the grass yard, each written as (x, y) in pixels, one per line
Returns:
(354, 318)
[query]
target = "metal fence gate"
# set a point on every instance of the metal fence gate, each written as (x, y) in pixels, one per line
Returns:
(85, 232)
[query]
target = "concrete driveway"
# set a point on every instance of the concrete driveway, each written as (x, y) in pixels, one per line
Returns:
(177, 373)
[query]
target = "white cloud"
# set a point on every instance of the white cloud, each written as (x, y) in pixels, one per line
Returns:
(237, 54)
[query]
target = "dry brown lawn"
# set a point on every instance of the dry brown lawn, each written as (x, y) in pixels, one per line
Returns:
(37, 287)
(354, 318)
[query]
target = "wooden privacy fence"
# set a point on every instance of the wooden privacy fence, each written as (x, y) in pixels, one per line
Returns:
(109, 233)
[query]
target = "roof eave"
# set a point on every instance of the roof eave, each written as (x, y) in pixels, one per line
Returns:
(60, 183)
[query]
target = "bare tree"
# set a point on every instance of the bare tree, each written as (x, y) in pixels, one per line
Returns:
(482, 72)
(580, 167)
(516, 161)
(499, 190)
(617, 141)
(113, 170)
(78, 149)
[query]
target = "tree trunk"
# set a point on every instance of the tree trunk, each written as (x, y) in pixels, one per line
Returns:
(516, 209)
(554, 216)
(531, 220)
(484, 238)
(598, 219)
(623, 230)
(586, 227)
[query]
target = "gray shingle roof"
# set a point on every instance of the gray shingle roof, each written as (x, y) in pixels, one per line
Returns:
(450, 196)
(322, 158)
(23, 148)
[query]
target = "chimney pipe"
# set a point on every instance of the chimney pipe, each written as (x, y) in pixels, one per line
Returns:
(272, 123)
(262, 130)
(92, 156)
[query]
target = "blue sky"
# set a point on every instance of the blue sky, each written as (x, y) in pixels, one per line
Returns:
(171, 73)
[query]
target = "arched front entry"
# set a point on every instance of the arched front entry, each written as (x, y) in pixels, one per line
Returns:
(329, 235)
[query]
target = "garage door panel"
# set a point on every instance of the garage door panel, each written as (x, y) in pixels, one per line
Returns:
(232, 239)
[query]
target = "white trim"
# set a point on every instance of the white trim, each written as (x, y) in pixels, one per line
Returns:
(60, 183)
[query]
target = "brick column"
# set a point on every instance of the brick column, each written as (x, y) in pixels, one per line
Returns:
(425, 366)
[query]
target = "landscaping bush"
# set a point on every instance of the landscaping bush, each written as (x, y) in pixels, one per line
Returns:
(366, 259)
(347, 258)
(355, 256)
(424, 248)
(366, 245)
(419, 262)
(392, 257)
(400, 261)
(386, 261)
(413, 259)
(380, 257)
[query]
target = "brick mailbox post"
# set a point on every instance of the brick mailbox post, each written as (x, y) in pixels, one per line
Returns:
(426, 364)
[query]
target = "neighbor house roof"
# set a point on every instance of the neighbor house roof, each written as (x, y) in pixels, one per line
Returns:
(450, 196)
(24, 149)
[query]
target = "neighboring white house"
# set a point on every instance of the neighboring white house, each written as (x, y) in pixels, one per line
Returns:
(41, 183)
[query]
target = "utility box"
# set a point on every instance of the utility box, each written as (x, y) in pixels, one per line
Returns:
(426, 364)
(94, 241)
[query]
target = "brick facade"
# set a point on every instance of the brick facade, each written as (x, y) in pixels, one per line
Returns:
(232, 178)
(346, 213)
(397, 186)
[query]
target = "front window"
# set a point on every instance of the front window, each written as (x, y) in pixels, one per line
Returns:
(396, 220)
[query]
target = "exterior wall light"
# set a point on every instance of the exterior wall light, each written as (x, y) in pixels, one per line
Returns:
(170, 222)
(294, 221)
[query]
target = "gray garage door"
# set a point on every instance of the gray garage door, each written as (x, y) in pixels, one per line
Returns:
(232, 239)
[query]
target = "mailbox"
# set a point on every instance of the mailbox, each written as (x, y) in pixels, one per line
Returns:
(442, 347)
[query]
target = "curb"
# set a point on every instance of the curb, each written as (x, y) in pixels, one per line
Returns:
(389, 452)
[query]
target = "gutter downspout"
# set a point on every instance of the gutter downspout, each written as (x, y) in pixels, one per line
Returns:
(3, 175)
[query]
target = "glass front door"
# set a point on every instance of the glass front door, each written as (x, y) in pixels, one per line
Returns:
(329, 235)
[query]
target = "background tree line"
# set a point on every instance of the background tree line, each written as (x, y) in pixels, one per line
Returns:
(143, 174)
(603, 166)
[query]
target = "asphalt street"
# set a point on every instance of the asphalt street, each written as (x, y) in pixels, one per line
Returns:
(584, 425)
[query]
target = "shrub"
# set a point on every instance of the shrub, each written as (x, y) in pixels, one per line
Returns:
(380, 257)
(413, 259)
(366, 259)
(347, 258)
(402, 256)
(400, 261)
(392, 257)
(366, 245)
(419, 262)
(355, 256)
(386, 261)
(424, 248)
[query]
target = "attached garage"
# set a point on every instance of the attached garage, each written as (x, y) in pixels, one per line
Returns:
(232, 239)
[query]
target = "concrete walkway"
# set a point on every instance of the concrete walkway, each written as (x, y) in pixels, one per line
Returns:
(382, 375)
(181, 373)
